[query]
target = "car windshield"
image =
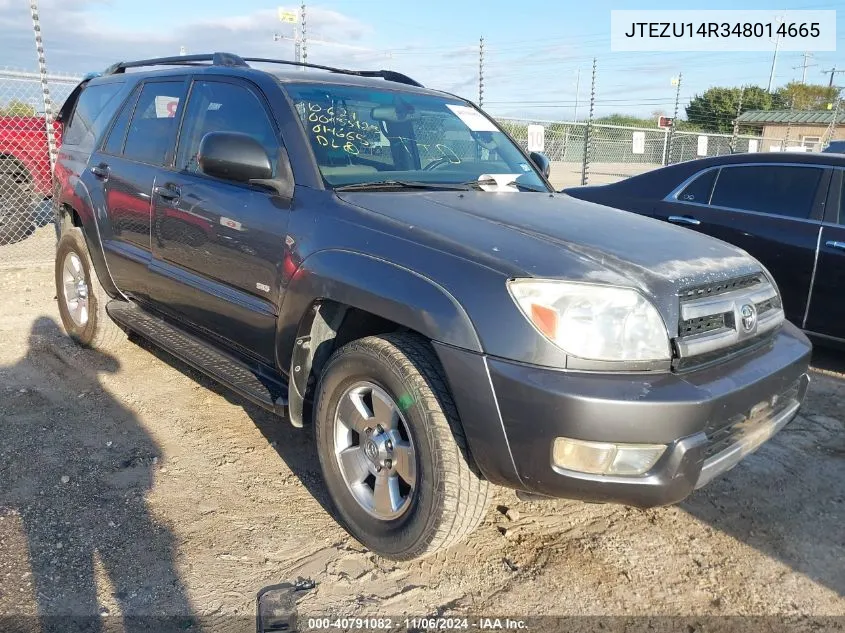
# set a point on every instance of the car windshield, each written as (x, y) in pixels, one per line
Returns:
(369, 135)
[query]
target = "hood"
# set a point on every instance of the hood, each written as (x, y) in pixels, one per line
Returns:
(557, 236)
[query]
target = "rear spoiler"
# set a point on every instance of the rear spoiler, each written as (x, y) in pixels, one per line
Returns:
(67, 107)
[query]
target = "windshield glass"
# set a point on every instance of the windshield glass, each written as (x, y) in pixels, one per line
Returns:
(368, 135)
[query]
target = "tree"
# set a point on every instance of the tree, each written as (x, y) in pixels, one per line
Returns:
(17, 108)
(807, 96)
(716, 109)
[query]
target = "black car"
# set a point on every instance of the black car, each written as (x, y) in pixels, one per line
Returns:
(787, 210)
(443, 317)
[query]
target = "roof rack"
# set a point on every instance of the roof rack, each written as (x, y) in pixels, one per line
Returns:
(231, 60)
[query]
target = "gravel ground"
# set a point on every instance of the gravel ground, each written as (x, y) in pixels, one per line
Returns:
(132, 485)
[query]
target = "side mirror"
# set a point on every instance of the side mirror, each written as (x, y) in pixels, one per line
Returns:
(234, 156)
(542, 162)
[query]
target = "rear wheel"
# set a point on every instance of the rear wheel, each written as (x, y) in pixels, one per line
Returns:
(392, 449)
(82, 300)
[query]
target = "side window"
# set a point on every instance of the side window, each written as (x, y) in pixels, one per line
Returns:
(217, 106)
(93, 111)
(778, 189)
(114, 143)
(152, 131)
(699, 190)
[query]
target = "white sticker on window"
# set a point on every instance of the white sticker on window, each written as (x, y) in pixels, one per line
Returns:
(166, 107)
(472, 118)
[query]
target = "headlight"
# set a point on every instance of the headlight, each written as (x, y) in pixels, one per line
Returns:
(593, 321)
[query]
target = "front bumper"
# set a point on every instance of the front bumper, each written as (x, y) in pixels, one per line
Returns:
(709, 419)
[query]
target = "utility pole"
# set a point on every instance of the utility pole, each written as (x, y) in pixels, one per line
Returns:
(831, 72)
(481, 71)
(775, 57)
(807, 56)
(577, 90)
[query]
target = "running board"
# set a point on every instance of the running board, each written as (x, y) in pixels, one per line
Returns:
(265, 391)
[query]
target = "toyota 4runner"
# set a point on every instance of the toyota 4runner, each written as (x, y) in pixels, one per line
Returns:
(351, 249)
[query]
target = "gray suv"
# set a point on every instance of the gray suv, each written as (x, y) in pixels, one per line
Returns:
(351, 250)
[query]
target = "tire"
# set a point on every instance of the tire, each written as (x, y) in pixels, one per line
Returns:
(16, 222)
(448, 498)
(95, 330)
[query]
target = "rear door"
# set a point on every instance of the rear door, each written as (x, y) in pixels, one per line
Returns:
(826, 315)
(140, 143)
(773, 211)
(218, 245)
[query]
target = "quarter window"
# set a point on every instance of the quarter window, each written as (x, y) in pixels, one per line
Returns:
(698, 190)
(777, 189)
(217, 106)
(93, 111)
(152, 132)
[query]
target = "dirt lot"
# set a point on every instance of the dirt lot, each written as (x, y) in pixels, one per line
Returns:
(132, 485)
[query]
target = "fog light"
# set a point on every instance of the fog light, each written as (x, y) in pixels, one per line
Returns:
(601, 458)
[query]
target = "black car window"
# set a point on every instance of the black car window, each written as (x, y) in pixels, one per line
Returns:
(777, 189)
(152, 132)
(94, 110)
(698, 190)
(114, 143)
(216, 106)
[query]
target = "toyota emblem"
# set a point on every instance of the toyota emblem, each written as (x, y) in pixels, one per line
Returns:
(748, 315)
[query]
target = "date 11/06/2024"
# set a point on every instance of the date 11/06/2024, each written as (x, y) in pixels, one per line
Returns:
(421, 623)
(722, 29)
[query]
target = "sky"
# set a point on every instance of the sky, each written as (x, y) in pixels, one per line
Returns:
(533, 49)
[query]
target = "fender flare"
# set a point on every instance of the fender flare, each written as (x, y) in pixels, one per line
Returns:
(351, 279)
(91, 232)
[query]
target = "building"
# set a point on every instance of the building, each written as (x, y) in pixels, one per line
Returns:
(782, 129)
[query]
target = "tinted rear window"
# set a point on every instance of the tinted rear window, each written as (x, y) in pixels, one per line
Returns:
(781, 190)
(92, 114)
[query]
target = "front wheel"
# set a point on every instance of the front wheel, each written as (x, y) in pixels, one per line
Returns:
(392, 449)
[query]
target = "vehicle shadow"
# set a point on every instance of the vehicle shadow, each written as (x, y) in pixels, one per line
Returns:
(296, 447)
(76, 466)
(787, 500)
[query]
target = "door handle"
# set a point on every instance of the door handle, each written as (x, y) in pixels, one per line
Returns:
(835, 244)
(684, 219)
(167, 193)
(100, 171)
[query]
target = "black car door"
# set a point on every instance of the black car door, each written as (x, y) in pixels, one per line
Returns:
(139, 143)
(826, 315)
(218, 245)
(773, 211)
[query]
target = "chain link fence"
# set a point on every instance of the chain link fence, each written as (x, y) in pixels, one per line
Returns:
(26, 216)
(615, 152)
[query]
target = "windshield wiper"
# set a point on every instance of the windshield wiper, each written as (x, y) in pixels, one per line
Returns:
(402, 184)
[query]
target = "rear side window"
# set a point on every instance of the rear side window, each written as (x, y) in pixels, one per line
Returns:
(93, 111)
(114, 144)
(152, 131)
(776, 189)
(698, 190)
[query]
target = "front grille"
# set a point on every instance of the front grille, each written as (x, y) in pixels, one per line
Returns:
(711, 323)
(702, 324)
(721, 435)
